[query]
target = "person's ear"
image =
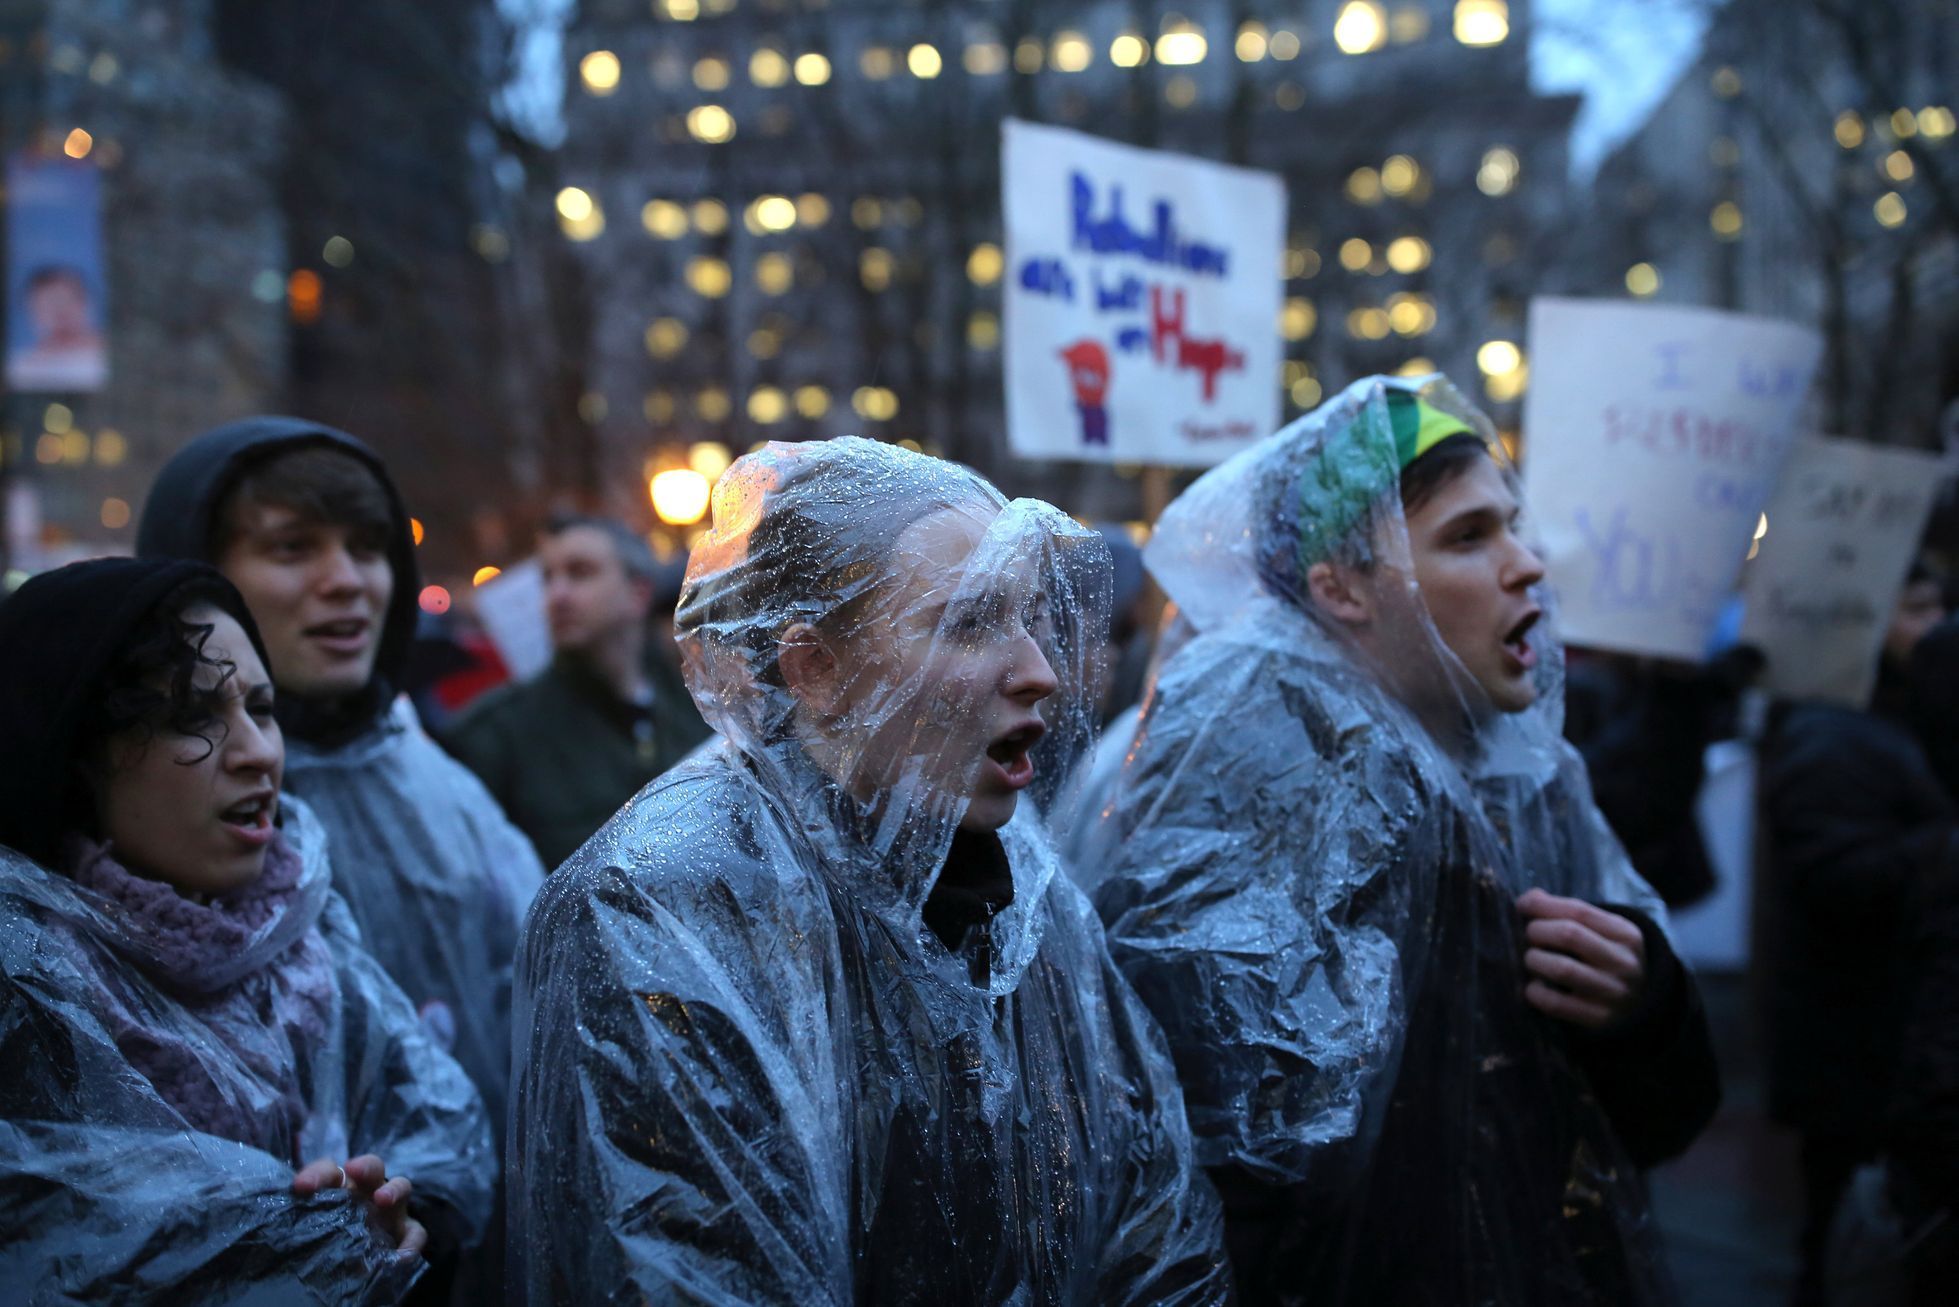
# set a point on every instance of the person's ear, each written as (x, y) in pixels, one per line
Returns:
(809, 668)
(1337, 592)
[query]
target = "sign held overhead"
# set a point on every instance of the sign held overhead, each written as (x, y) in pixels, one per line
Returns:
(1141, 302)
(1654, 436)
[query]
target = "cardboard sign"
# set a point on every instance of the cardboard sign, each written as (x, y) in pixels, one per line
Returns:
(511, 607)
(1653, 437)
(1141, 302)
(1842, 528)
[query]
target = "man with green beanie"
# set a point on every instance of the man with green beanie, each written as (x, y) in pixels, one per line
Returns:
(1427, 1018)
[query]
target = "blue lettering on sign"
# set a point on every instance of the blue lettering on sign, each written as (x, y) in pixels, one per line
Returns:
(1771, 381)
(1047, 277)
(1133, 340)
(1635, 572)
(1671, 377)
(1125, 296)
(1159, 243)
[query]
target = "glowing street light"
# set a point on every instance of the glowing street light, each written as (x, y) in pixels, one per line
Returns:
(680, 496)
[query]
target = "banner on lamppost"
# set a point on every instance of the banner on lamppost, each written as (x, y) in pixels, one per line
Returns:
(1653, 438)
(1141, 300)
(1842, 528)
(56, 301)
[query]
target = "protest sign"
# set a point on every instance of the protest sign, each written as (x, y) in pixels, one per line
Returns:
(1653, 437)
(1141, 301)
(1843, 525)
(55, 295)
(511, 608)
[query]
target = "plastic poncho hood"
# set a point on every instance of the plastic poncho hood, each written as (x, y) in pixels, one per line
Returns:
(1312, 886)
(750, 1067)
(108, 1190)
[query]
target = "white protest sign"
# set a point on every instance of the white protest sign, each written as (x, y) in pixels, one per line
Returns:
(1653, 437)
(511, 607)
(1843, 526)
(1141, 301)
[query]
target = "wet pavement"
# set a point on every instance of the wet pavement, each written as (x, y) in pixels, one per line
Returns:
(1730, 1207)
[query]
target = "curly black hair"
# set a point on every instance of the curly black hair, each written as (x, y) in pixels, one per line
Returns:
(152, 686)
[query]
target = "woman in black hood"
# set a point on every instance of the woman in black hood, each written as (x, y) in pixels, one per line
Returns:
(304, 519)
(183, 992)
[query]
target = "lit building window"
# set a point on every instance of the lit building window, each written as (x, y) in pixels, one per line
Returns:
(812, 210)
(1643, 280)
(1496, 357)
(1408, 254)
(812, 402)
(1284, 45)
(924, 62)
(710, 217)
(770, 214)
(579, 215)
(709, 277)
(666, 337)
(1725, 83)
(1498, 173)
(1302, 262)
(680, 495)
(1297, 319)
(767, 405)
(1253, 42)
(984, 264)
(1364, 186)
(1071, 52)
(1129, 51)
(711, 74)
(877, 403)
(599, 71)
(875, 267)
(983, 331)
(1935, 122)
(1305, 392)
(985, 58)
(681, 11)
(1181, 46)
(1849, 129)
(867, 213)
(1361, 27)
(775, 273)
(1400, 175)
(711, 124)
(1411, 315)
(1180, 91)
(1889, 209)
(812, 69)
(768, 68)
(1898, 166)
(1482, 22)
(663, 219)
(1725, 219)
(764, 343)
(877, 63)
(1028, 56)
(1355, 254)
(1368, 324)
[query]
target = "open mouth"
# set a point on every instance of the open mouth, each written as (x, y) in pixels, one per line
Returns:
(1516, 641)
(1010, 753)
(344, 635)
(252, 818)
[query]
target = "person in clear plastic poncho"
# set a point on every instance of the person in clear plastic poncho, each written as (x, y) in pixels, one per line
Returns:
(1354, 871)
(816, 1018)
(212, 1094)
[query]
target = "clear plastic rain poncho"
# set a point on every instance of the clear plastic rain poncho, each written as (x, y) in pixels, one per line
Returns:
(107, 1192)
(1314, 892)
(750, 1067)
(418, 846)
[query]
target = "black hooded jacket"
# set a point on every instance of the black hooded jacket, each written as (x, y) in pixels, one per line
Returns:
(181, 520)
(61, 632)
(437, 878)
